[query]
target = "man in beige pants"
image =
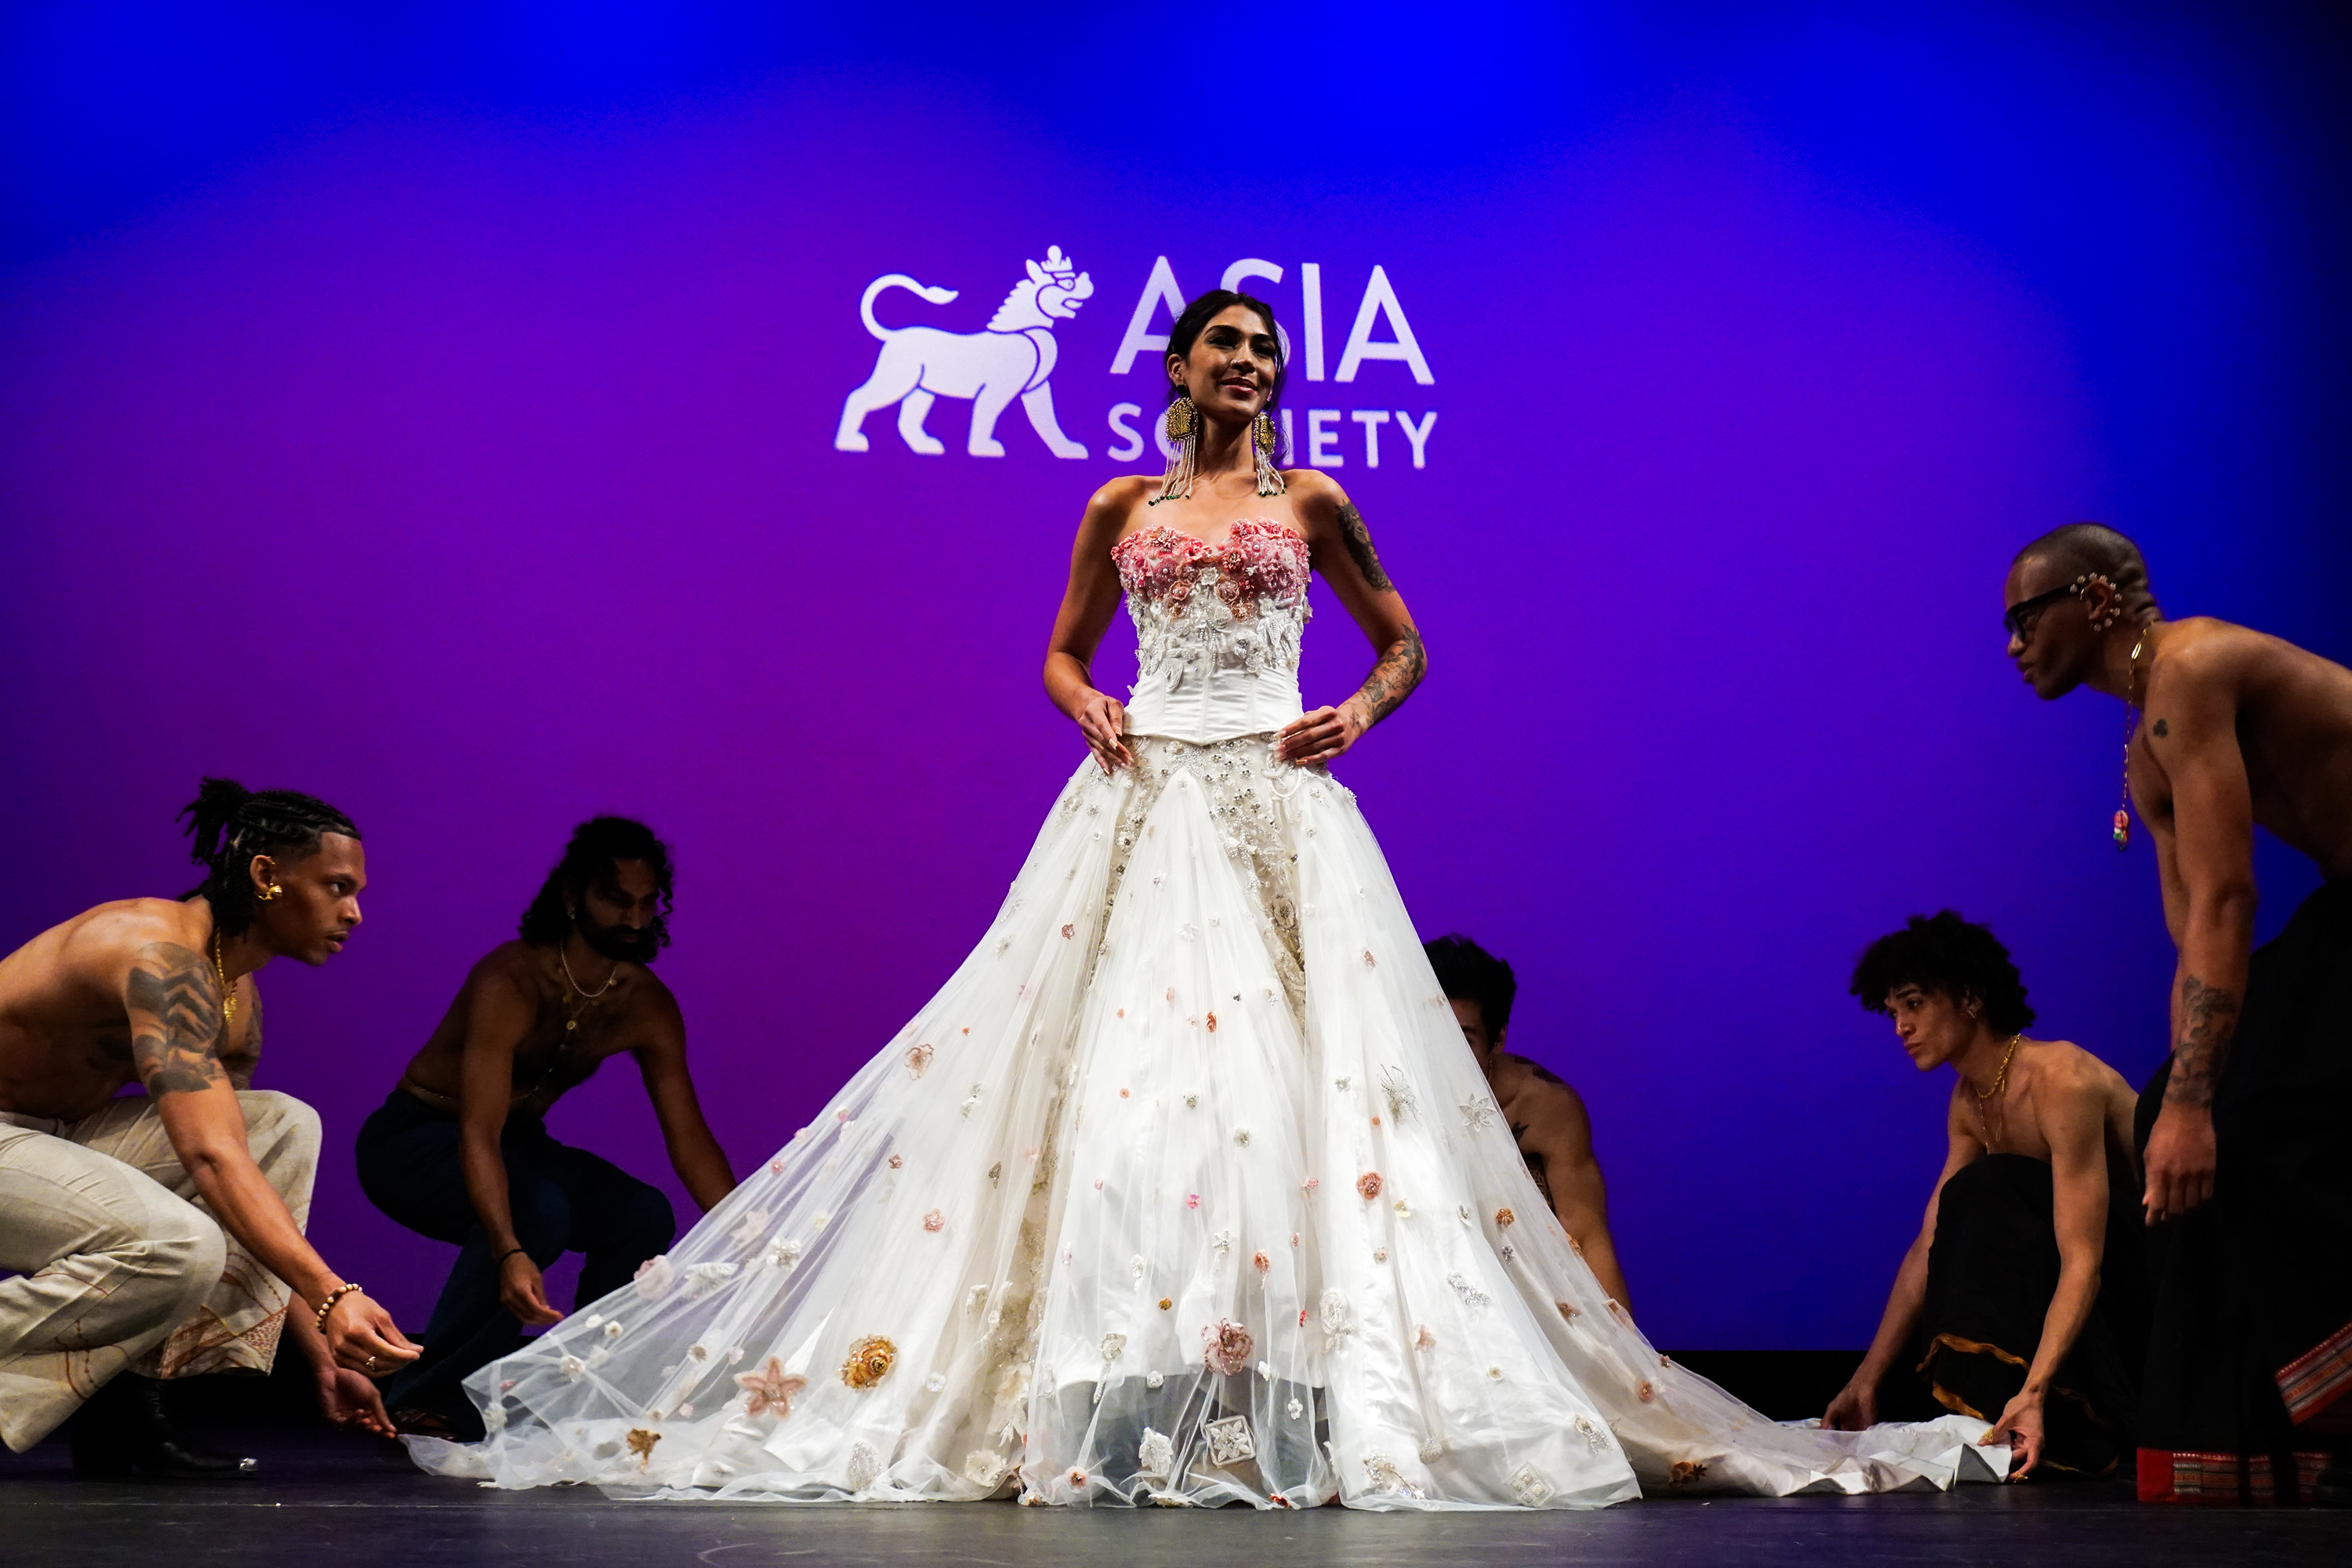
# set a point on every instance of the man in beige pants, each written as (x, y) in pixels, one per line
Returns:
(112, 1211)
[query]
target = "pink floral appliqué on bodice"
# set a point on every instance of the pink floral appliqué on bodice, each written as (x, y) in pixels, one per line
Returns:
(1216, 627)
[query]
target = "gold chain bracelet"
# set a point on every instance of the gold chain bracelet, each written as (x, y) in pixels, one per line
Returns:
(333, 1296)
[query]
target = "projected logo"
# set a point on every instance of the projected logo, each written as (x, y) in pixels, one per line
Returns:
(1013, 358)
(1016, 354)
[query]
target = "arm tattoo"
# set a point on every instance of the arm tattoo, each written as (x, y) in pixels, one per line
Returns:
(2209, 1017)
(2162, 729)
(1359, 549)
(174, 1007)
(1394, 677)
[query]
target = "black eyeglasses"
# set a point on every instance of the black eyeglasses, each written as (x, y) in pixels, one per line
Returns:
(2022, 616)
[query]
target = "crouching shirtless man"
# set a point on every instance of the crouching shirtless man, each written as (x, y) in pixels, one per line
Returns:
(1545, 1117)
(459, 1151)
(2026, 1291)
(113, 1210)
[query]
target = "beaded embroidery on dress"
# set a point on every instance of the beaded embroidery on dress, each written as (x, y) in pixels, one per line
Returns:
(1185, 1189)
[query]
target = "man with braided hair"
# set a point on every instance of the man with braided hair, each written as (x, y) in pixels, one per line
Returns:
(2248, 1394)
(113, 1210)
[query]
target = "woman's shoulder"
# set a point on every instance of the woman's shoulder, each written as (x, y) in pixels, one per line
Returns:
(1315, 496)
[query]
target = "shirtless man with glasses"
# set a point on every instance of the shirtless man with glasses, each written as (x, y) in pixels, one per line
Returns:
(2246, 1131)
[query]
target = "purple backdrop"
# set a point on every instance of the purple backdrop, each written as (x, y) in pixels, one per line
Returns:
(474, 468)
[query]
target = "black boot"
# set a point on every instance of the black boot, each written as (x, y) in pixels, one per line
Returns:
(126, 1428)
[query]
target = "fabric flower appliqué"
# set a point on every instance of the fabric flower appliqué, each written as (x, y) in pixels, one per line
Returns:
(573, 1368)
(918, 1060)
(1504, 1216)
(1261, 1262)
(1113, 1346)
(656, 1278)
(1368, 1186)
(1225, 1346)
(935, 1220)
(704, 1277)
(1229, 1440)
(1155, 1455)
(770, 1388)
(870, 1361)
(641, 1444)
(746, 1235)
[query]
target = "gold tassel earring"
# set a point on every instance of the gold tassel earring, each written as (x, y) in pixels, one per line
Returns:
(1183, 426)
(1266, 448)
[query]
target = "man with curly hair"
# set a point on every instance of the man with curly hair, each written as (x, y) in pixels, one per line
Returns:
(459, 1151)
(2025, 1293)
(2248, 1393)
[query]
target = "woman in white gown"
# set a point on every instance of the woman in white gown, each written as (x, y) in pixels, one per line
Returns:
(1185, 1189)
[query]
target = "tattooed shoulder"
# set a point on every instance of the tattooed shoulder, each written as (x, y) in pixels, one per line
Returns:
(173, 1004)
(1359, 547)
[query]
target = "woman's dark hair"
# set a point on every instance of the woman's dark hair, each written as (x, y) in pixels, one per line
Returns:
(1188, 328)
(598, 846)
(228, 825)
(1468, 973)
(1950, 956)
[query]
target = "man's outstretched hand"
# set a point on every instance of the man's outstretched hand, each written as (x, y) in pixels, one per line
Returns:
(350, 1399)
(2179, 1161)
(1854, 1408)
(2020, 1430)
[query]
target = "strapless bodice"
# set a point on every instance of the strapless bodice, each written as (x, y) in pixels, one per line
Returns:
(1216, 630)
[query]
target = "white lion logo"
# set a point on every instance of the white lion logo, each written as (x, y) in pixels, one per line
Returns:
(1011, 358)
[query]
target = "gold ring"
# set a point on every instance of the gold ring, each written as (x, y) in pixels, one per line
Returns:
(369, 1364)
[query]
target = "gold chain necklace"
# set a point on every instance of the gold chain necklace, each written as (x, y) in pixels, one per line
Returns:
(228, 992)
(2131, 731)
(572, 1023)
(2000, 1078)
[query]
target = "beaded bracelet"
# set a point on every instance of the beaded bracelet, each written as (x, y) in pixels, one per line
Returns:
(333, 1296)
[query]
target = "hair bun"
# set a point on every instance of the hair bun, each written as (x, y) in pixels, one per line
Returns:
(208, 817)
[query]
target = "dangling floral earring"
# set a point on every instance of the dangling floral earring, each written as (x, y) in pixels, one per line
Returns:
(1264, 448)
(1183, 426)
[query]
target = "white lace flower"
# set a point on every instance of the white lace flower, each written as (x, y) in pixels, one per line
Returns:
(656, 1278)
(1223, 1241)
(984, 1468)
(864, 1466)
(1532, 1489)
(746, 1235)
(1478, 1113)
(975, 1298)
(1431, 1450)
(573, 1368)
(1295, 1408)
(593, 1321)
(1242, 1136)
(704, 1277)
(1191, 1101)
(1397, 1090)
(599, 1356)
(1471, 1295)
(936, 1382)
(1113, 1346)
(1339, 1318)
(1155, 1455)
(784, 1254)
(1154, 1380)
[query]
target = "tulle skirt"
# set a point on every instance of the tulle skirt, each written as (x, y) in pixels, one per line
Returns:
(1185, 1189)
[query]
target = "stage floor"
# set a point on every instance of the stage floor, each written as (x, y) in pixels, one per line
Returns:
(329, 1499)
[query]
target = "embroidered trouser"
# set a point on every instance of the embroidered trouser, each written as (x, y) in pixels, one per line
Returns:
(119, 1266)
(2249, 1384)
(560, 1199)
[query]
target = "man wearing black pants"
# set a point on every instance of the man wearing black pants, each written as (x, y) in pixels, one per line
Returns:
(460, 1151)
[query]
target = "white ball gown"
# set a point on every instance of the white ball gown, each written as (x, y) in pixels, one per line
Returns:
(1185, 1189)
